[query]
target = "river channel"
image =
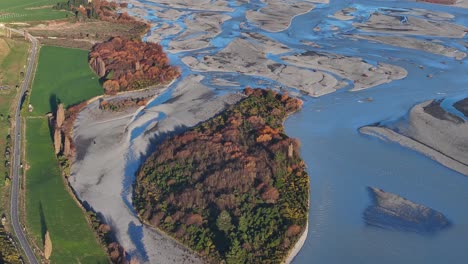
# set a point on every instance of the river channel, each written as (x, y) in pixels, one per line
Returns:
(341, 162)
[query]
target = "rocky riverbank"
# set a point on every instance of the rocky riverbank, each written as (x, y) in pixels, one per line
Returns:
(103, 141)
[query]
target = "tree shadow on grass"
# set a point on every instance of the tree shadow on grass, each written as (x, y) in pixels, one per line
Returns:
(43, 223)
(54, 101)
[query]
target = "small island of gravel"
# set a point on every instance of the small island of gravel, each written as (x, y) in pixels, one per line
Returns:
(390, 211)
(431, 130)
(233, 188)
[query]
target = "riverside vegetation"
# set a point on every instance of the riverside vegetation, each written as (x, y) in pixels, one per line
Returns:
(125, 64)
(234, 188)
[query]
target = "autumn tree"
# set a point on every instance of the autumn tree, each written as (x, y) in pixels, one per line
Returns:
(47, 245)
(129, 64)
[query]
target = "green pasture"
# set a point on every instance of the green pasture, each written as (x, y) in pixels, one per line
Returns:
(63, 75)
(13, 59)
(29, 10)
(49, 207)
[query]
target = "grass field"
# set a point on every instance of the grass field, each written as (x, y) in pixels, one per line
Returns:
(29, 10)
(50, 207)
(13, 56)
(13, 59)
(63, 74)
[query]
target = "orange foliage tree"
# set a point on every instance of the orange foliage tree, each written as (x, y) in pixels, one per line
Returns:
(126, 64)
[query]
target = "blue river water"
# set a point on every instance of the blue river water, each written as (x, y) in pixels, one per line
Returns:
(341, 162)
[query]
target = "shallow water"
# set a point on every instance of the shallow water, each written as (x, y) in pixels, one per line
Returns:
(342, 162)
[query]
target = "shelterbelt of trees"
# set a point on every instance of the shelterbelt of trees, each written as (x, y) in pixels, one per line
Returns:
(234, 188)
(126, 64)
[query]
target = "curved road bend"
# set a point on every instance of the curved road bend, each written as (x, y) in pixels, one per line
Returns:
(15, 189)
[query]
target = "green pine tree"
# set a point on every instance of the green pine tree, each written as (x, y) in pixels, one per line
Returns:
(237, 255)
(224, 221)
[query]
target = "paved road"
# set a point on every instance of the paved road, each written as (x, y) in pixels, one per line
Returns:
(15, 189)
